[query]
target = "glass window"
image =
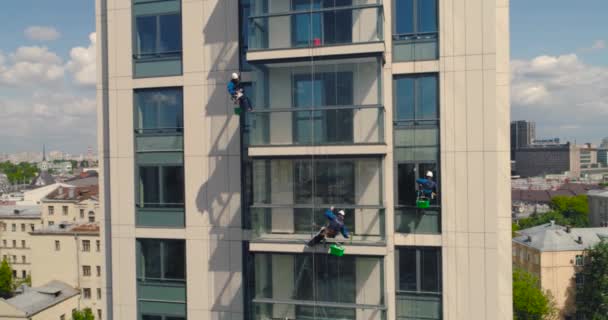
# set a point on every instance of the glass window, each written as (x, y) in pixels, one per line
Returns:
(579, 260)
(416, 98)
(415, 30)
(57, 245)
(161, 259)
(64, 210)
(420, 269)
(86, 293)
(86, 245)
(161, 186)
(158, 35)
(51, 210)
(23, 227)
(415, 16)
(86, 271)
(159, 110)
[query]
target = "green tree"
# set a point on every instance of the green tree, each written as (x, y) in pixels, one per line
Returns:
(571, 211)
(19, 173)
(85, 314)
(530, 302)
(592, 297)
(6, 279)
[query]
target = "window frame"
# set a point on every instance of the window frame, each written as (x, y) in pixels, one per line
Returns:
(419, 270)
(156, 55)
(163, 243)
(86, 245)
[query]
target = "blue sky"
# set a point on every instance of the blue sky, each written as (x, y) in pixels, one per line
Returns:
(558, 50)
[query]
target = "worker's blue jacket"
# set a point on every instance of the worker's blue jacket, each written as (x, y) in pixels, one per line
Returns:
(233, 87)
(336, 224)
(428, 186)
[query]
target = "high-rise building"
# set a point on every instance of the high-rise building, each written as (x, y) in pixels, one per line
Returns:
(523, 134)
(207, 211)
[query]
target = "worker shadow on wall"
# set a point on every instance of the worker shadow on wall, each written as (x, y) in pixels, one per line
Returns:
(218, 198)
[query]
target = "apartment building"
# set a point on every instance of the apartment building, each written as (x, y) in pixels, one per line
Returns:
(206, 211)
(53, 300)
(16, 222)
(555, 254)
(71, 254)
(70, 204)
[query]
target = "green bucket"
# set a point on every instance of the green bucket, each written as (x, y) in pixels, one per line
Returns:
(423, 203)
(336, 250)
(237, 111)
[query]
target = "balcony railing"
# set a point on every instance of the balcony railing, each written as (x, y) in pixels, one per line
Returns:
(280, 28)
(314, 310)
(159, 140)
(415, 47)
(410, 219)
(419, 306)
(301, 222)
(331, 125)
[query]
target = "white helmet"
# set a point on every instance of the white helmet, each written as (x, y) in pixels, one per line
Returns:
(235, 76)
(342, 213)
(429, 174)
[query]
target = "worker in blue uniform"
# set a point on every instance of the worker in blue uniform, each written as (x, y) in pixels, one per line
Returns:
(237, 93)
(426, 186)
(334, 226)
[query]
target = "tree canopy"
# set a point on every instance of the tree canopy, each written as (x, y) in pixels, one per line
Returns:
(570, 211)
(6, 279)
(23, 172)
(85, 314)
(592, 295)
(530, 302)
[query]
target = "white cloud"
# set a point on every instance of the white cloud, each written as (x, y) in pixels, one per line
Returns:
(562, 93)
(82, 62)
(31, 66)
(41, 33)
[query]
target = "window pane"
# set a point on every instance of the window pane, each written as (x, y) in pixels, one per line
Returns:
(149, 182)
(427, 16)
(430, 270)
(427, 98)
(170, 33)
(173, 185)
(406, 184)
(150, 259)
(146, 34)
(160, 108)
(407, 270)
(404, 16)
(175, 259)
(303, 181)
(404, 94)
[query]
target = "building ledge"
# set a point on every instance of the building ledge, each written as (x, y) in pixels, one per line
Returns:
(411, 239)
(374, 149)
(290, 53)
(301, 248)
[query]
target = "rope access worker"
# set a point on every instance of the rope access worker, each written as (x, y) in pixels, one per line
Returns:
(334, 225)
(427, 186)
(236, 91)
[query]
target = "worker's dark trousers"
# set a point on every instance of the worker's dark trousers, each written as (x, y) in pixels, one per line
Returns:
(245, 103)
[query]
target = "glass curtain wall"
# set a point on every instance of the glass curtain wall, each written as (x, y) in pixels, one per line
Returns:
(161, 279)
(157, 38)
(285, 24)
(415, 30)
(306, 286)
(416, 143)
(419, 283)
(290, 197)
(159, 144)
(318, 102)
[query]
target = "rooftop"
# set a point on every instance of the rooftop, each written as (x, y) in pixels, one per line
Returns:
(568, 189)
(34, 300)
(598, 193)
(76, 194)
(69, 228)
(19, 212)
(552, 237)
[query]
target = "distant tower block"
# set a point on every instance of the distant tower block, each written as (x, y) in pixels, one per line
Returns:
(90, 155)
